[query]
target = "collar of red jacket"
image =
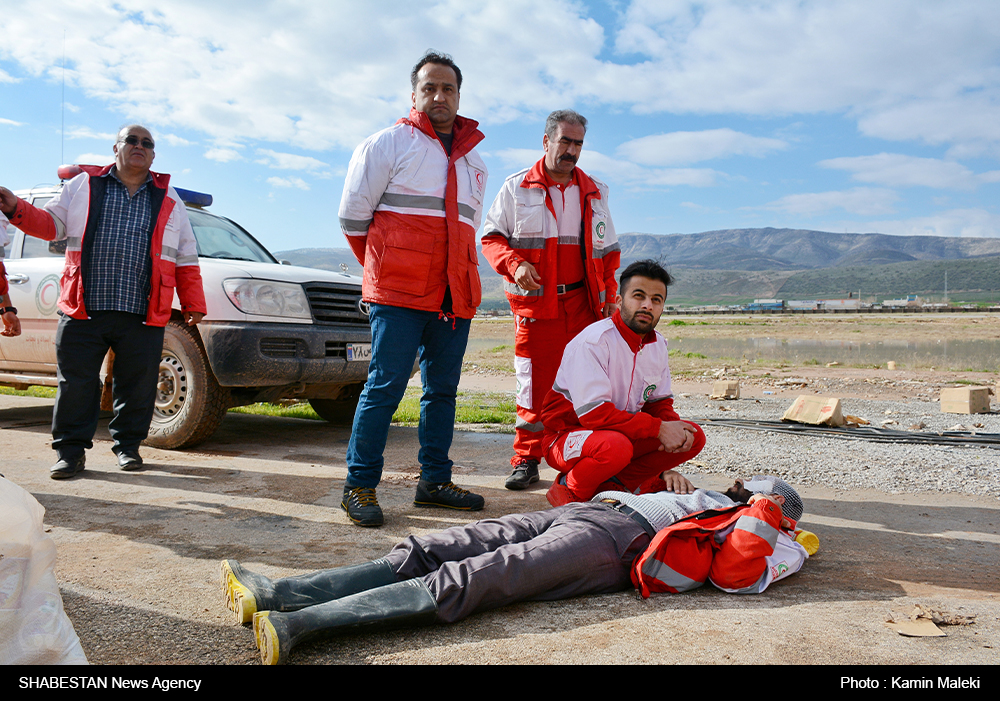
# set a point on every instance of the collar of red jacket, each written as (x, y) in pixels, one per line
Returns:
(160, 180)
(537, 177)
(465, 131)
(634, 340)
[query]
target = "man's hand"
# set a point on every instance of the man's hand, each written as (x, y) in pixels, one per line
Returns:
(676, 436)
(526, 277)
(676, 482)
(11, 325)
(192, 318)
(776, 499)
(8, 201)
(609, 309)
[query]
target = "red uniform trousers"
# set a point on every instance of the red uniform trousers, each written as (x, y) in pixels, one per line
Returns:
(538, 351)
(607, 454)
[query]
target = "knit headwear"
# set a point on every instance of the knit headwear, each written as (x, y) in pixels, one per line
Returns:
(769, 484)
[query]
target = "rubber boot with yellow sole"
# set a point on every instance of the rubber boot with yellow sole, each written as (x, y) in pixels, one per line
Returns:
(404, 604)
(247, 592)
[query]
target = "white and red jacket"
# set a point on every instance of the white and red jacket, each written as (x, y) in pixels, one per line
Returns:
(410, 214)
(740, 550)
(521, 226)
(611, 379)
(74, 213)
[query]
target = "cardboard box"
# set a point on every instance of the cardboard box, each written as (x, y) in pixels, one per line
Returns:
(725, 389)
(966, 400)
(815, 410)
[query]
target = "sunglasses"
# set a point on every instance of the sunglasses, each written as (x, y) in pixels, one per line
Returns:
(132, 140)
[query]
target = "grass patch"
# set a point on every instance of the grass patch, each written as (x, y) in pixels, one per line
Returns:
(470, 408)
(677, 353)
(292, 411)
(678, 322)
(43, 392)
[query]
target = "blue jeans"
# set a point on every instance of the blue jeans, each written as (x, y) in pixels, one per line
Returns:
(398, 336)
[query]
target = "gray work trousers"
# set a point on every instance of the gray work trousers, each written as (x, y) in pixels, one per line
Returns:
(580, 548)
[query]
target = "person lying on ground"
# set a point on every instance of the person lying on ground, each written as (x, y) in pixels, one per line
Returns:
(741, 541)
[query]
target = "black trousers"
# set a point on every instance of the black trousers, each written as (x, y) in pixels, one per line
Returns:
(81, 345)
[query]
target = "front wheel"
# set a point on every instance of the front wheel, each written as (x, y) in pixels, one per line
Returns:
(190, 404)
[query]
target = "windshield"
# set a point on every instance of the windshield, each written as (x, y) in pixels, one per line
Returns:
(221, 238)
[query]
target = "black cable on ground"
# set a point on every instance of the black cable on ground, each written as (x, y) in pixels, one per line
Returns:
(863, 433)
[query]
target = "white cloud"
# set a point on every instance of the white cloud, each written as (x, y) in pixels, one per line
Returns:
(955, 222)
(289, 161)
(175, 140)
(95, 159)
(288, 182)
(88, 133)
(11, 122)
(866, 201)
(620, 170)
(898, 170)
(684, 147)
(326, 75)
(223, 155)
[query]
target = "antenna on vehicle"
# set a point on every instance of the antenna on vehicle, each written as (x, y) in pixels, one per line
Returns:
(62, 145)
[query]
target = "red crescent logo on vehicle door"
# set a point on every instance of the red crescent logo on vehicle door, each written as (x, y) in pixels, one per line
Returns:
(47, 294)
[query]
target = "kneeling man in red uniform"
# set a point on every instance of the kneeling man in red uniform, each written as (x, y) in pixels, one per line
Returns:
(609, 418)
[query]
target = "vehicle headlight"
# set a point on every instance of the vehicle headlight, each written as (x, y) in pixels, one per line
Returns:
(268, 298)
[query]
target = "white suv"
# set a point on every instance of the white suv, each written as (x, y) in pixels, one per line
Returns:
(272, 331)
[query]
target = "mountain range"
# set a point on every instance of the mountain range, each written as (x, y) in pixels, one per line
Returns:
(736, 265)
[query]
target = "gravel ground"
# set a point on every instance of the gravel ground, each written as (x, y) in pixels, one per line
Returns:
(892, 468)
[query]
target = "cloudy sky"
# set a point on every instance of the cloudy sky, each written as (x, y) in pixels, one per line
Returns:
(833, 115)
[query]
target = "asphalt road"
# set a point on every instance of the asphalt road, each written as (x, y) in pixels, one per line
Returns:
(138, 560)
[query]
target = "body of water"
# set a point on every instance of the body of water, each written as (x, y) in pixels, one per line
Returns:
(978, 355)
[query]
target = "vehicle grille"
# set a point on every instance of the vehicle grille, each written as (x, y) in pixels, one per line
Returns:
(335, 304)
(279, 347)
(335, 349)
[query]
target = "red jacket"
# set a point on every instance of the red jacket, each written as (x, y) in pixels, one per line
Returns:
(521, 226)
(173, 247)
(611, 379)
(684, 555)
(410, 213)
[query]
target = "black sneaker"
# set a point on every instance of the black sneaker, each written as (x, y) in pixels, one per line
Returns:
(362, 506)
(525, 474)
(447, 495)
(68, 467)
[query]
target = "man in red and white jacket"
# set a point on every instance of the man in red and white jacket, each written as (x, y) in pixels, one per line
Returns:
(610, 416)
(412, 202)
(129, 244)
(549, 234)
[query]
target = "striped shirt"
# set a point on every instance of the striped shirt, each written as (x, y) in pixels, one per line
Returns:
(663, 509)
(119, 265)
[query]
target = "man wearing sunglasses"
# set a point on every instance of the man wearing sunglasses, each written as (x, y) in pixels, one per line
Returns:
(128, 245)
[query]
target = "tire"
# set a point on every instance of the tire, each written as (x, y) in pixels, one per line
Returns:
(339, 411)
(190, 404)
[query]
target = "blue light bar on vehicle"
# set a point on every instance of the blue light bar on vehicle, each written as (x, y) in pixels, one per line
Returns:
(198, 199)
